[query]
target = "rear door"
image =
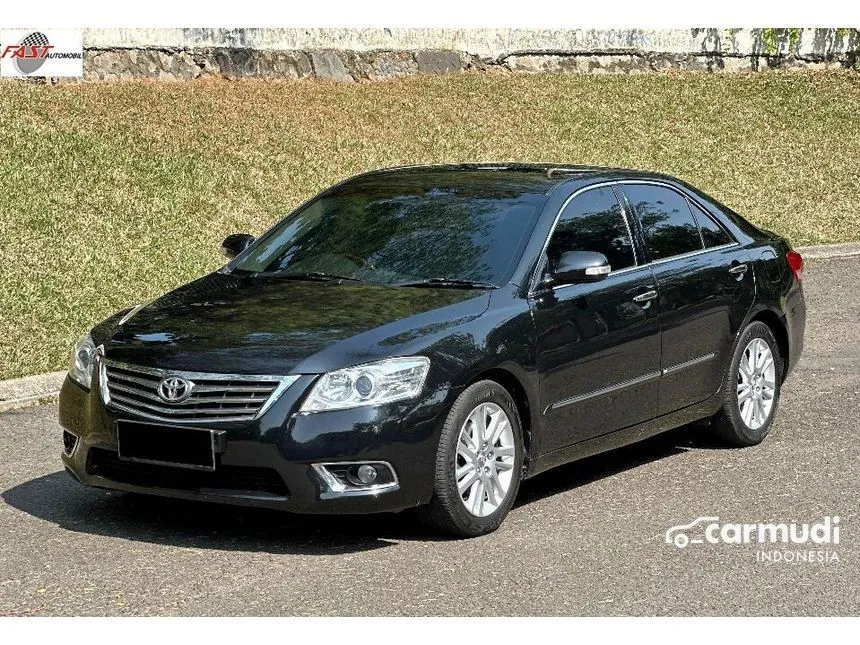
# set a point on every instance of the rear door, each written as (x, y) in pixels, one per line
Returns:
(598, 345)
(705, 284)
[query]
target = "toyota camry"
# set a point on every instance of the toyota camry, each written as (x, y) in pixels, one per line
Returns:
(427, 337)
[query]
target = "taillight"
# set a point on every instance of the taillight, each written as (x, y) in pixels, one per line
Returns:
(795, 263)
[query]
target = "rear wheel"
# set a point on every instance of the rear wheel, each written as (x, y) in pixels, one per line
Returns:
(478, 463)
(751, 388)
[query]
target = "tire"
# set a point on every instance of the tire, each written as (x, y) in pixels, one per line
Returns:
(447, 510)
(736, 422)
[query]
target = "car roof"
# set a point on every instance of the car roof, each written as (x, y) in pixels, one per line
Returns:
(542, 178)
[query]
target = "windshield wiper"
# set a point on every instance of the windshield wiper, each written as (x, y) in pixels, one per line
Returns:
(306, 275)
(448, 282)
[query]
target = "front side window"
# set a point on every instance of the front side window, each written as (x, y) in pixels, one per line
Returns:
(593, 221)
(666, 220)
(404, 229)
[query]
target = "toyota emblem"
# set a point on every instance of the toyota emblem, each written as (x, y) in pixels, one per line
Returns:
(174, 389)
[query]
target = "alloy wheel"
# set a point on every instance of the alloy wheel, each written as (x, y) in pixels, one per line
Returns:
(485, 459)
(756, 384)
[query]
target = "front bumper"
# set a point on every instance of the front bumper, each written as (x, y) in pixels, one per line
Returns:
(269, 462)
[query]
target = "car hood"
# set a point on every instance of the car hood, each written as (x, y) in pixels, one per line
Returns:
(252, 325)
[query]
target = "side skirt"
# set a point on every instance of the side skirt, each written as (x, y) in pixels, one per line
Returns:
(626, 436)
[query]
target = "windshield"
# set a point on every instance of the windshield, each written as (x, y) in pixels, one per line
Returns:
(404, 229)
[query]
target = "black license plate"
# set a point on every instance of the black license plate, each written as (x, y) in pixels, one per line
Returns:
(166, 445)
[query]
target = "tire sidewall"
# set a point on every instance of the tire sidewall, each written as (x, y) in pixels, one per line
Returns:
(446, 485)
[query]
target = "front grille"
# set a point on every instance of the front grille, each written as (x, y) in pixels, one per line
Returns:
(237, 479)
(213, 397)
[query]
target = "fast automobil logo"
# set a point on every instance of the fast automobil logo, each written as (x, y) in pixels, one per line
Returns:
(31, 53)
(48, 53)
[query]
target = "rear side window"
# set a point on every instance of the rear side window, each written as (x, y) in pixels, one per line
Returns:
(712, 233)
(666, 220)
(593, 221)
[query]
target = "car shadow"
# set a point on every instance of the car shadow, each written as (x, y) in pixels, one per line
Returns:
(584, 471)
(59, 499)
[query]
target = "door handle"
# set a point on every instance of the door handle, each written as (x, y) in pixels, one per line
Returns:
(645, 297)
(738, 269)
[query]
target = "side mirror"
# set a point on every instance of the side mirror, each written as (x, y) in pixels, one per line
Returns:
(581, 266)
(234, 244)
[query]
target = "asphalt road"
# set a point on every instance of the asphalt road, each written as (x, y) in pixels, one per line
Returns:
(587, 538)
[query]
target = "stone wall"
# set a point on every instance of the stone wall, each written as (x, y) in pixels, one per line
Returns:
(361, 54)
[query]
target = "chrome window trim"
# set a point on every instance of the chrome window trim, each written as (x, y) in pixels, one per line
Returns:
(621, 182)
(691, 200)
(691, 254)
(284, 382)
(611, 184)
(614, 273)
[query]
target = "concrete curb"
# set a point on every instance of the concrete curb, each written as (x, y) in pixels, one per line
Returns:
(826, 251)
(30, 390)
(43, 388)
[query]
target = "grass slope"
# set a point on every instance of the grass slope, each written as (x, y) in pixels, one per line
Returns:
(114, 193)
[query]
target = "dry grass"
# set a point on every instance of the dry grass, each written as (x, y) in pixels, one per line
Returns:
(110, 194)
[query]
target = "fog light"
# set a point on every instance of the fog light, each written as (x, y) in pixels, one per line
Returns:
(356, 478)
(70, 441)
(367, 474)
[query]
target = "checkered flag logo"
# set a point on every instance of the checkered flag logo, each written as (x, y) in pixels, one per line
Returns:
(30, 65)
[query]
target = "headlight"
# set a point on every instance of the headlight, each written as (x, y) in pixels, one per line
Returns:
(81, 367)
(390, 380)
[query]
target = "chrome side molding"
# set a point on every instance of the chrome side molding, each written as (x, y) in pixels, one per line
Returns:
(631, 383)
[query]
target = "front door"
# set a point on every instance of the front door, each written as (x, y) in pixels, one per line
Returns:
(598, 344)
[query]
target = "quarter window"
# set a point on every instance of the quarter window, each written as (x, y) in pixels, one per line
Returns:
(666, 220)
(593, 221)
(712, 233)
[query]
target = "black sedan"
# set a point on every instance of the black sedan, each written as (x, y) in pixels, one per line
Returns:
(428, 337)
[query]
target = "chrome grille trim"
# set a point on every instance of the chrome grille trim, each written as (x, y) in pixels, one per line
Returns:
(215, 398)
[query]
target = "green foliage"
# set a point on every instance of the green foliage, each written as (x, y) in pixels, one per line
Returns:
(773, 37)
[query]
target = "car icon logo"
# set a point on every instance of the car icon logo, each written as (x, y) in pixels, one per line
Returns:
(678, 535)
(174, 389)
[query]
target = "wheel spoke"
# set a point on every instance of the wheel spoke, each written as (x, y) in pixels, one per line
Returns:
(470, 482)
(476, 497)
(491, 490)
(746, 412)
(479, 425)
(498, 426)
(466, 437)
(744, 393)
(760, 355)
(466, 452)
(504, 451)
(502, 466)
(758, 414)
(462, 471)
(744, 368)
